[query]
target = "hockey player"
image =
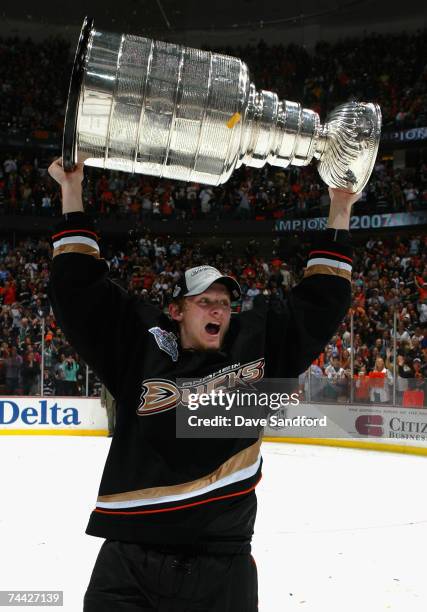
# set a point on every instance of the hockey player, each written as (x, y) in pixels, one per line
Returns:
(177, 515)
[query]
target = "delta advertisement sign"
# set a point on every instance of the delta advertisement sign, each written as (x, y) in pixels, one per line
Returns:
(51, 414)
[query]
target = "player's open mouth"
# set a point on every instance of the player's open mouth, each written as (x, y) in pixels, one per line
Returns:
(212, 328)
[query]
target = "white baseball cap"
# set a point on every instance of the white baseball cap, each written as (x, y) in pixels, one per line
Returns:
(196, 280)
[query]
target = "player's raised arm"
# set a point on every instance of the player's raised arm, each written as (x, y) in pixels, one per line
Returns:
(316, 306)
(71, 186)
(340, 208)
(98, 317)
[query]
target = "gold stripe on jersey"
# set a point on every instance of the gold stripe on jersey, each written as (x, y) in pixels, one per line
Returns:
(240, 461)
(331, 270)
(84, 249)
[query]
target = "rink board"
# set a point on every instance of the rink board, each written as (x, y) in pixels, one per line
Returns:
(52, 416)
(369, 427)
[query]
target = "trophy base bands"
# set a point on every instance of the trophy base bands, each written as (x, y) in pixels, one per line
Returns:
(31, 598)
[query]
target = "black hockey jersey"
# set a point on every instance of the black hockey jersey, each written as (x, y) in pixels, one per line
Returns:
(157, 489)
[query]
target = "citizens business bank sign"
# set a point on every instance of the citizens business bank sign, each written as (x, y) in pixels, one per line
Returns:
(391, 425)
(52, 415)
(402, 424)
(362, 222)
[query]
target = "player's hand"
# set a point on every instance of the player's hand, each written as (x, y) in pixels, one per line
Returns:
(342, 198)
(71, 179)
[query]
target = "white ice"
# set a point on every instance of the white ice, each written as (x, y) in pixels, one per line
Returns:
(337, 531)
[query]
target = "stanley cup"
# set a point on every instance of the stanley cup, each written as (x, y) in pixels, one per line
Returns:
(140, 105)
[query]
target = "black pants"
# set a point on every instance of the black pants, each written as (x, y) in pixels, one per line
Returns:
(129, 578)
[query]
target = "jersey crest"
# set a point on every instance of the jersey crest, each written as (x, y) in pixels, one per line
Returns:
(166, 341)
(157, 396)
(160, 395)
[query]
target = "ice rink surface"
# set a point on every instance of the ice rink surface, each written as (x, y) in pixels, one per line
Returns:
(338, 530)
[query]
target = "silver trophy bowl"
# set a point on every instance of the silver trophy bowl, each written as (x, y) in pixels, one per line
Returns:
(140, 105)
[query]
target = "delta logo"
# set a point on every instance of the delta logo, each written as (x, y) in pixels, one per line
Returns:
(45, 413)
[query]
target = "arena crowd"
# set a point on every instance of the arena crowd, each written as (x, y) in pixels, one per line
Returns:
(330, 74)
(390, 275)
(34, 77)
(270, 193)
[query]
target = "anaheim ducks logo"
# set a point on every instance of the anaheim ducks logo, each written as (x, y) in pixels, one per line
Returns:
(159, 395)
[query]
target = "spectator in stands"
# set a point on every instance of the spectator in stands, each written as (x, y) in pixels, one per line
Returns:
(336, 388)
(48, 383)
(361, 383)
(50, 353)
(70, 369)
(13, 370)
(381, 381)
(404, 373)
(312, 383)
(30, 375)
(418, 374)
(59, 376)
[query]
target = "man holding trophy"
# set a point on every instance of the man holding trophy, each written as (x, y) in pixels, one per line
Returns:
(177, 515)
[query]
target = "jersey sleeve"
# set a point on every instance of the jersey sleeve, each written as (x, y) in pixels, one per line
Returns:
(98, 317)
(298, 330)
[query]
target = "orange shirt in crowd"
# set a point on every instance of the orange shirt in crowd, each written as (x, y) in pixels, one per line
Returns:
(320, 361)
(9, 294)
(376, 379)
(422, 287)
(362, 386)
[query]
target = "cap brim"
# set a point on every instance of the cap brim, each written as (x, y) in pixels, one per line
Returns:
(231, 284)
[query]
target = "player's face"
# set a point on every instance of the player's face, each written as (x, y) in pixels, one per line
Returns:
(205, 318)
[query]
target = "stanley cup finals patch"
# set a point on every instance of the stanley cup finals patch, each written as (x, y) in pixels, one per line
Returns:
(166, 341)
